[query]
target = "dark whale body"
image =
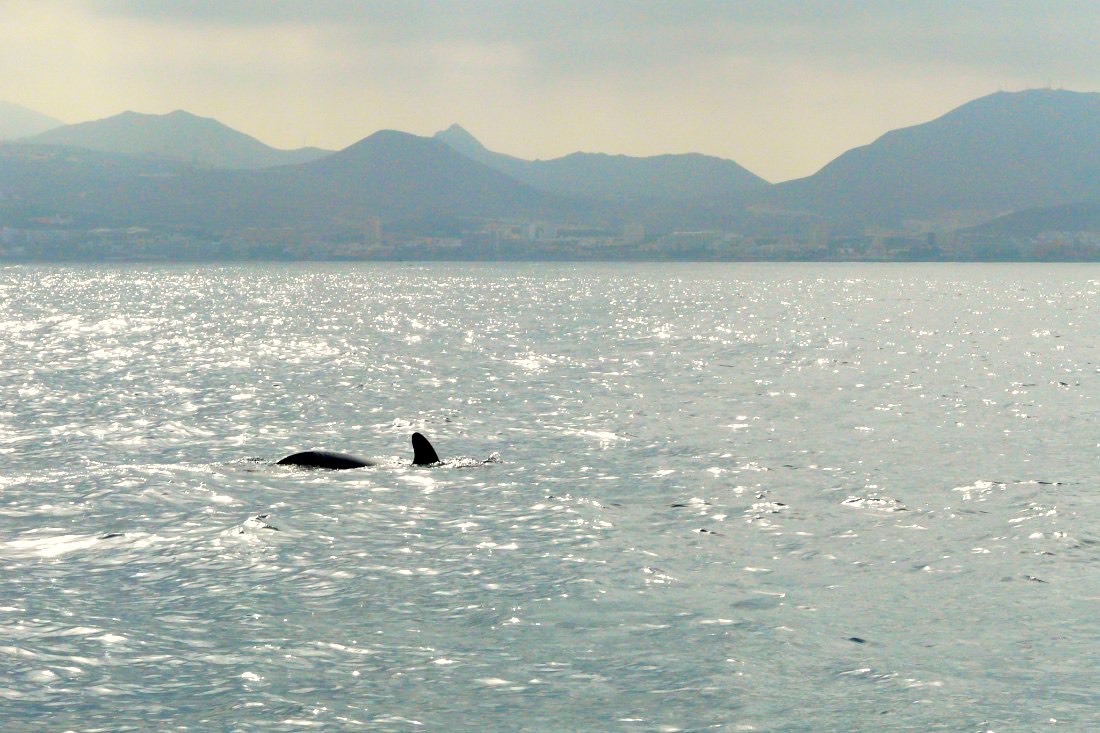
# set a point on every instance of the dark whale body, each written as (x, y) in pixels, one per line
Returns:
(423, 455)
(323, 459)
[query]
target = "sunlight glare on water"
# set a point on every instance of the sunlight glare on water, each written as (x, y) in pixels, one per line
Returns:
(720, 497)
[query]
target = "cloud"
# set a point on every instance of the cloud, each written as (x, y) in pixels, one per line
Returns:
(616, 31)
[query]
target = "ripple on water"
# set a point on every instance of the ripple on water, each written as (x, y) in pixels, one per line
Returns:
(892, 443)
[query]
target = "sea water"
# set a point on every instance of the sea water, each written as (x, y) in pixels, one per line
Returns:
(675, 497)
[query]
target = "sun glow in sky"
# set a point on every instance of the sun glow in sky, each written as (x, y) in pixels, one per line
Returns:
(780, 87)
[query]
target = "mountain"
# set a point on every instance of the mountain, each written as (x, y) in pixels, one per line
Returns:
(178, 135)
(397, 171)
(1082, 216)
(390, 175)
(90, 187)
(997, 154)
(458, 139)
(16, 121)
(1032, 157)
(616, 177)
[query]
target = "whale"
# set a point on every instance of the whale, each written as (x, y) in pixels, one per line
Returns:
(323, 459)
(423, 455)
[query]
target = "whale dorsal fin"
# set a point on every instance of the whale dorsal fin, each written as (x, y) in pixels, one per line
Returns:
(423, 452)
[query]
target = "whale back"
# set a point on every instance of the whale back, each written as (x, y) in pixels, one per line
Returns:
(323, 459)
(423, 452)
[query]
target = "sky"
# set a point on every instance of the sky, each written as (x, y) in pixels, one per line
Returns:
(780, 86)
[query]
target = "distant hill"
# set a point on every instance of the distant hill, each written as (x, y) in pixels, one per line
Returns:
(1083, 216)
(396, 171)
(390, 175)
(616, 177)
(179, 135)
(1032, 158)
(997, 154)
(92, 188)
(17, 122)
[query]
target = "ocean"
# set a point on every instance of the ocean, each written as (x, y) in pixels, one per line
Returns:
(674, 497)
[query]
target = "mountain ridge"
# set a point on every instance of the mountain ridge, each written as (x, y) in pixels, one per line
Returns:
(994, 156)
(616, 177)
(389, 175)
(17, 121)
(999, 153)
(177, 135)
(406, 175)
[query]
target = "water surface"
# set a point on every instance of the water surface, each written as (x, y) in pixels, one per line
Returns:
(721, 497)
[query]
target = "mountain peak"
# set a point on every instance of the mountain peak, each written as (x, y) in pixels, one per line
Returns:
(615, 177)
(177, 116)
(18, 121)
(178, 135)
(182, 114)
(1028, 99)
(460, 139)
(996, 154)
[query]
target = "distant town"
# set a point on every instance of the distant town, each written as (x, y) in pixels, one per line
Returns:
(56, 239)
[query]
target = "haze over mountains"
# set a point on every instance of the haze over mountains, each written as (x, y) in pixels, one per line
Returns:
(616, 177)
(17, 122)
(178, 135)
(389, 174)
(1003, 154)
(994, 155)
